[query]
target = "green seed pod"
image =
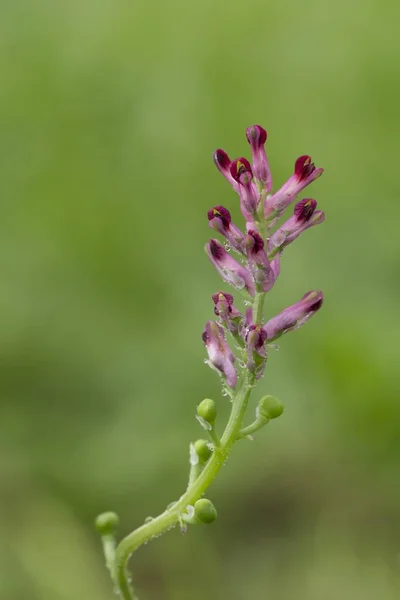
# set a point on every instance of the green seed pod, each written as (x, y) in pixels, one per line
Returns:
(203, 450)
(205, 510)
(107, 523)
(207, 410)
(269, 407)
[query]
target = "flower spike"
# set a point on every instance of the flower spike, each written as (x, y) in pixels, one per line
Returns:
(260, 248)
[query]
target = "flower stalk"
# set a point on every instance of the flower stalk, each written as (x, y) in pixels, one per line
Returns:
(235, 339)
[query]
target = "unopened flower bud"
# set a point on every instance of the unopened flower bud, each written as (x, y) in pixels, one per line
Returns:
(249, 196)
(257, 136)
(223, 164)
(239, 167)
(268, 408)
(203, 450)
(107, 523)
(207, 410)
(205, 510)
(219, 218)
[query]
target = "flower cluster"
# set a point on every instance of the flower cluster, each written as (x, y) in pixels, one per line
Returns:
(249, 260)
(258, 249)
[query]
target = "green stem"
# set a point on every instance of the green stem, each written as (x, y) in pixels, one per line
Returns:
(213, 435)
(255, 426)
(109, 545)
(194, 472)
(274, 252)
(258, 308)
(198, 486)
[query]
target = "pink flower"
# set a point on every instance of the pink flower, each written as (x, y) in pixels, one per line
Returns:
(223, 164)
(304, 217)
(255, 337)
(294, 316)
(219, 354)
(230, 316)
(304, 173)
(249, 196)
(257, 136)
(230, 269)
(219, 218)
(259, 264)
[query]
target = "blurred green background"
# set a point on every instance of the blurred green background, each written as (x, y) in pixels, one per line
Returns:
(109, 113)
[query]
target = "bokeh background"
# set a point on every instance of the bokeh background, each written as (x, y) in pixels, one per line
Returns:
(109, 113)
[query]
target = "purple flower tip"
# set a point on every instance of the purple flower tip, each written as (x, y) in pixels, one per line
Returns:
(255, 243)
(240, 167)
(223, 296)
(256, 136)
(222, 213)
(227, 312)
(314, 300)
(221, 159)
(217, 251)
(261, 335)
(303, 167)
(304, 209)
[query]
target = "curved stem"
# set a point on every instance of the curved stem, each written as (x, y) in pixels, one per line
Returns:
(171, 517)
(255, 426)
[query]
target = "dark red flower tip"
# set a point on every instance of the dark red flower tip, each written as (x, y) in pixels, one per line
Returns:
(316, 300)
(223, 303)
(222, 213)
(304, 209)
(256, 241)
(317, 304)
(221, 159)
(205, 337)
(217, 298)
(217, 251)
(239, 166)
(303, 167)
(256, 136)
(261, 335)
